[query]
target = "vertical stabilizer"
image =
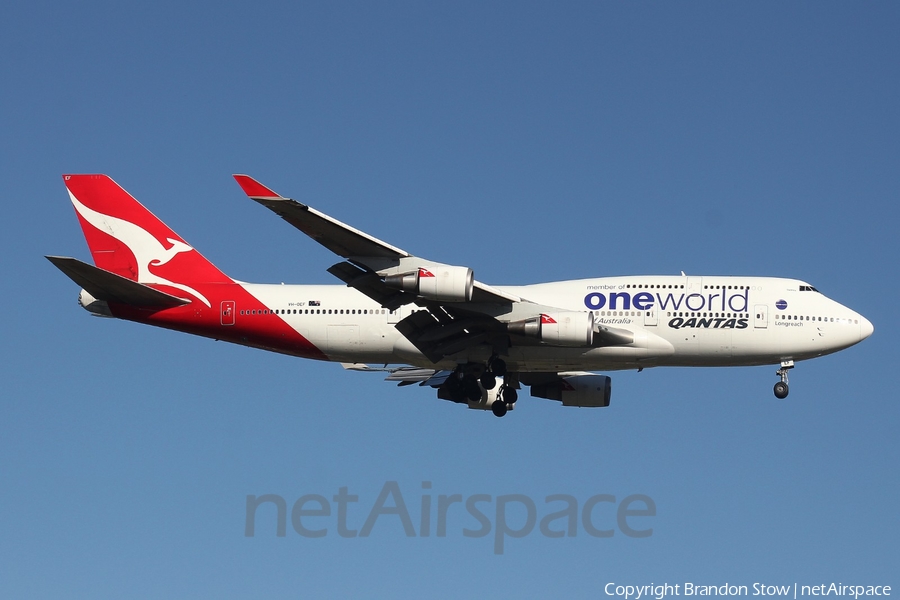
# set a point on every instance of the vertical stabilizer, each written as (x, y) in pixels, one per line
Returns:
(127, 239)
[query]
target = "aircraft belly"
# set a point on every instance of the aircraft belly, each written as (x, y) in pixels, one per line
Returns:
(342, 339)
(647, 350)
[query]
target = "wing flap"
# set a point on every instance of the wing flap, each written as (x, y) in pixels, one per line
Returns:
(370, 284)
(404, 376)
(437, 332)
(110, 287)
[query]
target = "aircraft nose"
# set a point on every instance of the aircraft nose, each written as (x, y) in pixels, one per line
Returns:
(865, 328)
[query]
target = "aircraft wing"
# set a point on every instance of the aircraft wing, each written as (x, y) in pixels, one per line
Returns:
(338, 237)
(366, 254)
(369, 283)
(455, 318)
(372, 285)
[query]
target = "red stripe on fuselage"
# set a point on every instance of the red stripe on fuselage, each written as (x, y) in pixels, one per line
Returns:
(267, 331)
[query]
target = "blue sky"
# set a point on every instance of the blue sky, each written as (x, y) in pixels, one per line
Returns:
(531, 142)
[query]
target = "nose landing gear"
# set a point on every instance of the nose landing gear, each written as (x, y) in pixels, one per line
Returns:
(781, 388)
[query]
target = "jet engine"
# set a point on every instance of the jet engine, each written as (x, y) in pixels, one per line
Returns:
(587, 390)
(96, 307)
(442, 283)
(574, 329)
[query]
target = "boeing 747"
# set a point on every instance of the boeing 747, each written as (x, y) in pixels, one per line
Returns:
(434, 324)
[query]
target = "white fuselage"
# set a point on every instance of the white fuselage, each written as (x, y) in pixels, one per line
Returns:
(676, 321)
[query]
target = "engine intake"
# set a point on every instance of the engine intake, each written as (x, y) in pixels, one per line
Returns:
(442, 283)
(96, 307)
(574, 329)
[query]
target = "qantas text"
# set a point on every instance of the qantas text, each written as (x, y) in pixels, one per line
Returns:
(710, 323)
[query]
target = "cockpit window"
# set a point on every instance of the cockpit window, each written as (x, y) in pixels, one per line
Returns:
(808, 288)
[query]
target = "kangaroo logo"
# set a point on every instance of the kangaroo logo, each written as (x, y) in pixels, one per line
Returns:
(146, 248)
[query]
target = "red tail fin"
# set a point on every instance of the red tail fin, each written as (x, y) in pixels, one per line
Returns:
(128, 240)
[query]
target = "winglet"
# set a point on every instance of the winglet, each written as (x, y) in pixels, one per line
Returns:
(253, 188)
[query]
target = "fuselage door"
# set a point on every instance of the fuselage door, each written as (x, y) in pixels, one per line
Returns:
(227, 314)
(650, 316)
(761, 316)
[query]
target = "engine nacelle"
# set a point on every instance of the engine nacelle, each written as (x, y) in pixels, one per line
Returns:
(442, 283)
(96, 307)
(576, 390)
(574, 329)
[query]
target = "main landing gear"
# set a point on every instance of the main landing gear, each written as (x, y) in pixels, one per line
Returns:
(499, 408)
(496, 367)
(463, 388)
(781, 388)
(507, 395)
(466, 383)
(505, 400)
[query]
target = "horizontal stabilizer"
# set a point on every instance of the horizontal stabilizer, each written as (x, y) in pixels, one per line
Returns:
(110, 287)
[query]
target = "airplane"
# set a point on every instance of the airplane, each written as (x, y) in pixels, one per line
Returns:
(433, 324)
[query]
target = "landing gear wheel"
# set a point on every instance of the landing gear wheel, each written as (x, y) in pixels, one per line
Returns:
(473, 392)
(455, 388)
(498, 367)
(781, 388)
(509, 395)
(488, 380)
(499, 408)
